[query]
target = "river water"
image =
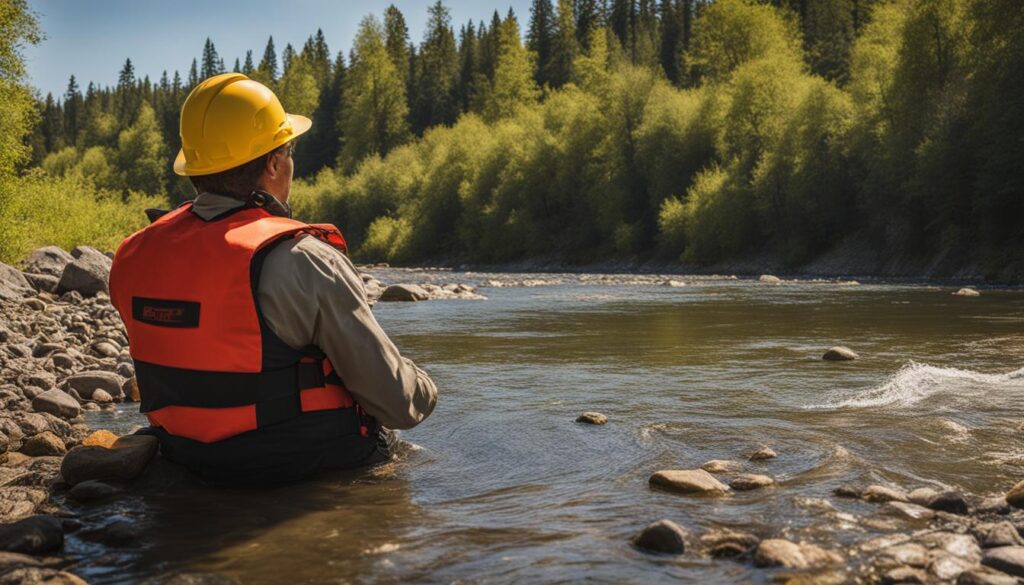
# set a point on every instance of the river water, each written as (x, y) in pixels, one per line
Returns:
(500, 485)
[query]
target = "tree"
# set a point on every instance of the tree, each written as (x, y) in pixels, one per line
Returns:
(732, 32)
(437, 73)
(286, 57)
(540, 38)
(671, 38)
(211, 64)
(193, 75)
(237, 68)
(267, 70)
(72, 111)
(247, 67)
(829, 29)
(469, 64)
(141, 154)
(513, 85)
(588, 19)
(374, 116)
(397, 41)
(565, 47)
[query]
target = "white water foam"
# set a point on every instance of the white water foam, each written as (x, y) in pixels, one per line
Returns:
(915, 382)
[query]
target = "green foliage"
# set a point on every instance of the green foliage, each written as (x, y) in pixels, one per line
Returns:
(37, 210)
(729, 33)
(298, 89)
(18, 28)
(141, 155)
(513, 84)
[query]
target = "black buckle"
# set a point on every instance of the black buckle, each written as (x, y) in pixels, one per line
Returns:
(311, 375)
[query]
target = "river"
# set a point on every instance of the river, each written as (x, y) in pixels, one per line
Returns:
(500, 485)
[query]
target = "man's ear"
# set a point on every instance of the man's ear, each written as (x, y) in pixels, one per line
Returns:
(272, 167)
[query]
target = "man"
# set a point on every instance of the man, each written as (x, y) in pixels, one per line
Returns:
(256, 354)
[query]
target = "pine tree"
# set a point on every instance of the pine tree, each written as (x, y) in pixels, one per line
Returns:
(564, 47)
(375, 110)
(622, 21)
(247, 67)
(72, 111)
(397, 41)
(211, 61)
(437, 72)
(193, 75)
(286, 58)
(513, 85)
(468, 64)
(267, 71)
(671, 17)
(588, 19)
(238, 66)
(541, 38)
(647, 34)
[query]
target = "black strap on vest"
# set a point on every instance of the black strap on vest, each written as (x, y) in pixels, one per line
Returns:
(275, 393)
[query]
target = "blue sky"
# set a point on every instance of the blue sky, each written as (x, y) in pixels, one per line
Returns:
(92, 38)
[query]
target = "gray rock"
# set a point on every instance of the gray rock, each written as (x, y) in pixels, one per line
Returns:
(86, 383)
(17, 502)
(44, 444)
(909, 510)
(922, 496)
(404, 292)
(839, 353)
(750, 481)
(34, 535)
(87, 275)
(34, 303)
(664, 536)
(592, 418)
(42, 282)
(994, 505)
(724, 543)
(102, 396)
(13, 284)
(770, 279)
(123, 461)
(49, 260)
(1008, 559)
(688, 481)
(949, 501)
(42, 350)
(106, 349)
(57, 403)
(63, 361)
(92, 491)
(967, 292)
(39, 576)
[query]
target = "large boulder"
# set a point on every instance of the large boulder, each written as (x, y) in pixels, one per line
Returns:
(404, 292)
(47, 260)
(42, 282)
(688, 481)
(13, 284)
(122, 461)
(86, 383)
(33, 535)
(88, 274)
(58, 403)
(1015, 497)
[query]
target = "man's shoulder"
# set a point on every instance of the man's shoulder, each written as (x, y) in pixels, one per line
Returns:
(305, 256)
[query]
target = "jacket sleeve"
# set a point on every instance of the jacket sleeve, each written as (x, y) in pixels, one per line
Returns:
(311, 293)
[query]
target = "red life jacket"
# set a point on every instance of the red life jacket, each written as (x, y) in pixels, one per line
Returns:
(207, 364)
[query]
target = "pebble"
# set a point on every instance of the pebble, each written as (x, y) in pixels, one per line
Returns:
(663, 536)
(839, 353)
(750, 481)
(592, 418)
(688, 481)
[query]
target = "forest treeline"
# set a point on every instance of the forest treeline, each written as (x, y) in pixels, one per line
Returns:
(680, 129)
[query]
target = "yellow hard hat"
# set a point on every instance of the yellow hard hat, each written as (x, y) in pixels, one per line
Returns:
(229, 120)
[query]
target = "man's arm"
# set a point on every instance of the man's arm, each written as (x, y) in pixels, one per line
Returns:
(311, 293)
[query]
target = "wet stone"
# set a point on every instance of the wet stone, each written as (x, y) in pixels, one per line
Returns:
(592, 418)
(750, 481)
(922, 496)
(776, 552)
(663, 536)
(763, 454)
(952, 502)
(57, 403)
(123, 461)
(688, 481)
(721, 466)
(848, 491)
(904, 575)
(880, 494)
(1015, 497)
(43, 444)
(92, 491)
(998, 534)
(33, 535)
(994, 505)
(404, 292)
(724, 543)
(839, 353)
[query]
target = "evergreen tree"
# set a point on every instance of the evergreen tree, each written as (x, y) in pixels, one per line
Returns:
(375, 110)
(247, 67)
(469, 64)
(622, 21)
(437, 73)
(513, 85)
(72, 111)
(193, 75)
(397, 41)
(541, 39)
(672, 38)
(286, 57)
(647, 34)
(588, 19)
(211, 64)
(267, 71)
(237, 68)
(565, 46)
(829, 28)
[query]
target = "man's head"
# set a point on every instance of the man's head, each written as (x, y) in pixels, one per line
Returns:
(236, 138)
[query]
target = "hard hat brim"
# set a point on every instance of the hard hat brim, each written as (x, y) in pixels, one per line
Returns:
(300, 125)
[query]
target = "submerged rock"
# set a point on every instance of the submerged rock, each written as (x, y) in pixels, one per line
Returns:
(92, 490)
(123, 461)
(909, 510)
(664, 536)
(967, 292)
(33, 535)
(724, 543)
(592, 418)
(721, 466)
(763, 454)
(750, 481)
(688, 481)
(880, 494)
(839, 353)
(776, 552)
